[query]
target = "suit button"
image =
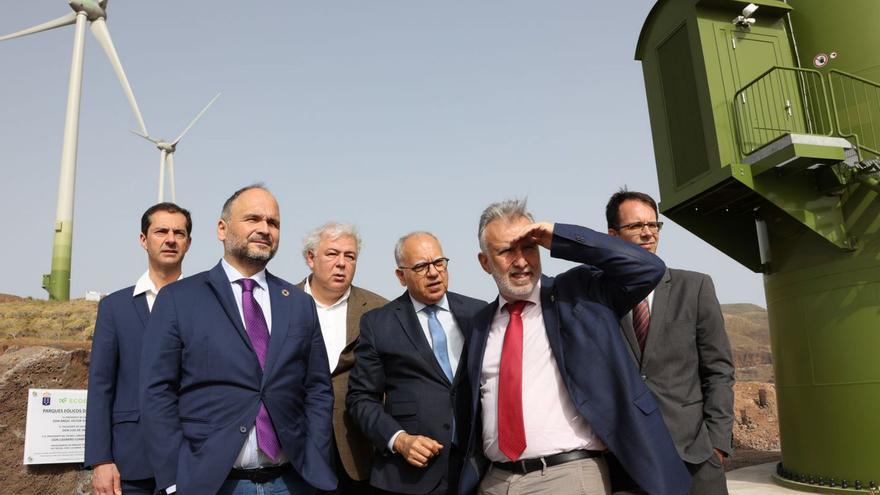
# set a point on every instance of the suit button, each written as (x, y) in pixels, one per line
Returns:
(242, 429)
(644, 377)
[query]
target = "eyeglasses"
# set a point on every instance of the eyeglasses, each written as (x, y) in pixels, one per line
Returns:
(439, 264)
(653, 227)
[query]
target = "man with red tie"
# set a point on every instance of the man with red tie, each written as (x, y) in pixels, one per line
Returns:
(550, 383)
(678, 341)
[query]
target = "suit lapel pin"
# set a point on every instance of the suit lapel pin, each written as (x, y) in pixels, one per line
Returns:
(285, 292)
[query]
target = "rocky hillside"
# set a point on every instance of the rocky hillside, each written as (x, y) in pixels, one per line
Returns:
(749, 333)
(45, 345)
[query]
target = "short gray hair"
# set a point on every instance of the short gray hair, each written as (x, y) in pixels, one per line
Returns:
(509, 209)
(333, 231)
(398, 247)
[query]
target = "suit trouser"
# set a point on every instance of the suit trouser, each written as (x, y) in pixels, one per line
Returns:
(347, 485)
(138, 487)
(580, 477)
(707, 478)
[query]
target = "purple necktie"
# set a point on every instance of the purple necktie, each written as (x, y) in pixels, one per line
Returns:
(258, 332)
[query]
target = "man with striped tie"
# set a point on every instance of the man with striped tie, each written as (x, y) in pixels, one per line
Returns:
(407, 363)
(677, 339)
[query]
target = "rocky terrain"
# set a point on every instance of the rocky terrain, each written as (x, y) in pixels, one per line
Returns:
(46, 345)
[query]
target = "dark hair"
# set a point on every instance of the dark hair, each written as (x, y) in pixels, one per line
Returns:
(612, 209)
(227, 205)
(170, 208)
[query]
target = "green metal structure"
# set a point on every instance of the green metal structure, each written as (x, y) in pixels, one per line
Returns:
(766, 131)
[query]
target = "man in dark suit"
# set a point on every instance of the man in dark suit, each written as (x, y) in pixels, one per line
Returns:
(236, 390)
(550, 382)
(677, 339)
(114, 440)
(407, 364)
(331, 252)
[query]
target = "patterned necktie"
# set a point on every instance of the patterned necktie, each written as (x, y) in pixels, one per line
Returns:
(438, 340)
(511, 426)
(258, 332)
(641, 322)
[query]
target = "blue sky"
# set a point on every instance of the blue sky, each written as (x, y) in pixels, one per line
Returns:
(394, 115)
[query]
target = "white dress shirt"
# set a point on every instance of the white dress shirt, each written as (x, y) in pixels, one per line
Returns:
(334, 327)
(552, 423)
(250, 456)
(145, 284)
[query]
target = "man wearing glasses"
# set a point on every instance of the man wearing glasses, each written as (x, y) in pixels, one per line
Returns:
(406, 367)
(678, 341)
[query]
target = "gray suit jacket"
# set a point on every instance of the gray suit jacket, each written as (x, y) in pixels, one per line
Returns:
(355, 450)
(687, 363)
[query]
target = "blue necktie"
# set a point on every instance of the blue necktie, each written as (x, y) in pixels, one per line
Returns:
(438, 340)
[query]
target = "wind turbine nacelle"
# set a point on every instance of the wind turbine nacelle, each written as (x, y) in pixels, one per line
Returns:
(166, 147)
(94, 9)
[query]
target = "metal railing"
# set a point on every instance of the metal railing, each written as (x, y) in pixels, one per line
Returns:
(782, 100)
(856, 104)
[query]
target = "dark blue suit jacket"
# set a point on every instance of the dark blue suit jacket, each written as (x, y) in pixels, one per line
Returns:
(113, 428)
(397, 384)
(582, 309)
(202, 384)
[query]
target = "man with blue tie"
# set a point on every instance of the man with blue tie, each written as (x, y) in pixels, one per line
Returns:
(236, 393)
(114, 440)
(400, 392)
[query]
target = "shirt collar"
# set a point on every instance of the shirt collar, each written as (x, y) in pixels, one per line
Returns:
(307, 288)
(443, 304)
(145, 284)
(534, 297)
(234, 275)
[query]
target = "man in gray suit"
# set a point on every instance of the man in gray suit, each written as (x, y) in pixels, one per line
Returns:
(678, 341)
(331, 252)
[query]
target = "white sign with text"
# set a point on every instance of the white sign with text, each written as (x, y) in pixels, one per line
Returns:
(56, 426)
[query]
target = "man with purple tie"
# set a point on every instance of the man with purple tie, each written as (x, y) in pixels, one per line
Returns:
(236, 395)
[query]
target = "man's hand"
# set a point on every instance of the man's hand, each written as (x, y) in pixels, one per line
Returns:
(536, 233)
(105, 479)
(416, 449)
(719, 455)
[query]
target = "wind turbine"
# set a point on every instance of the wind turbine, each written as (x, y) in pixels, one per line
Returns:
(57, 283)
(167, 150)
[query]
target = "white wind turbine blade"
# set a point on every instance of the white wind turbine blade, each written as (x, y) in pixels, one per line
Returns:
(171, 176)
(162, 176)
(195, 120)
(148, 138)
(55, 23)
(102, 34)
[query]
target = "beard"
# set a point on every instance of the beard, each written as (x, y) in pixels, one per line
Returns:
(510, 291)
(240, 249)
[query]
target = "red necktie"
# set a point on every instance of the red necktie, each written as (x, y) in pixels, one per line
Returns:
(641, 322)
(511, 427)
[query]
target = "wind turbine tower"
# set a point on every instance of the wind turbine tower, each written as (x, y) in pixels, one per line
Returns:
(166, 149)
(57, 283)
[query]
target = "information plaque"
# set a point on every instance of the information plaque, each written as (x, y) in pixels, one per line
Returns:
(56, 426)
